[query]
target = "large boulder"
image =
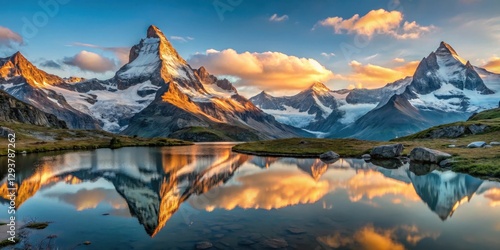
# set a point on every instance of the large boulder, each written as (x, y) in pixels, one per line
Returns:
(387, 151)
(477, 144)
(428, 155)
(329, 156)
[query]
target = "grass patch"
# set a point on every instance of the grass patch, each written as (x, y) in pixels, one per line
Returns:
(307, 147)
(32, 139)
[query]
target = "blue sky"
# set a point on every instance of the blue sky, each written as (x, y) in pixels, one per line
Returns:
(300, 29)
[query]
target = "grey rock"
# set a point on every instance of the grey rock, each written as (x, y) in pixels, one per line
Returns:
(204, 245)
(246, 242)
(13, 110)
(477, 144)
(428, 155)
(447, 132)
(296, 230)
(488, 146)
(495, 143)
(387, 151)
(275, 243)
(329, 156)
(477, 129)
(452, 146)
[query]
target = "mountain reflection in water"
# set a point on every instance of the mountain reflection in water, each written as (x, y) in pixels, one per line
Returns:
(153, 183)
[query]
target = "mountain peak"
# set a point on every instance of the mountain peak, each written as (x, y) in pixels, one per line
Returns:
(154, 32)
(319, 87)
(445, 48)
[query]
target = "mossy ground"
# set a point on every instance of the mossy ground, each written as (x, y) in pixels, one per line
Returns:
(31, 138)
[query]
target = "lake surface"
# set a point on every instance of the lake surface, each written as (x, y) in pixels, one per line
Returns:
(202, 195)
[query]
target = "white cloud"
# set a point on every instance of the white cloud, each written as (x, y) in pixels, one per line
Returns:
(328, 55)
(276, 18)
(121, 53)
(181, 38)
(89, 61)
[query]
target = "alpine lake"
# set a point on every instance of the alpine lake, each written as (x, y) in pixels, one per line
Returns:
(205, 196)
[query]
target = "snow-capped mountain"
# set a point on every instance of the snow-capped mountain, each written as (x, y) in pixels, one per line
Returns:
(307, 109)
(188, 99)
(444, 88)
(321, 110)
(156, 94)
(444, 192)
(24, 81)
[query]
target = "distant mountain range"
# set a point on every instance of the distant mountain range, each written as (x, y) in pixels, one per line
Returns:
(158, 94)
(444, 88)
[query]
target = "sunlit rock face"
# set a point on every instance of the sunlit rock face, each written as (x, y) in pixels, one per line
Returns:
(24, 81)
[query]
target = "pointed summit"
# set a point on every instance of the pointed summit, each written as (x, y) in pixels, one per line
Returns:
(446, 48)
(154, 32)
(18, 66)
(319, 87)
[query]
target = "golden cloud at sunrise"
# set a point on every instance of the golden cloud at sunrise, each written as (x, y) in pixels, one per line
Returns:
(493, 65)
(374, 76)
(267, 71)
(376, 22)
(369, 237)
(266, 190)
(372, 184)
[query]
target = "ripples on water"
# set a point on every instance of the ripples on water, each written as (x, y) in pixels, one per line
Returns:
(176, 198)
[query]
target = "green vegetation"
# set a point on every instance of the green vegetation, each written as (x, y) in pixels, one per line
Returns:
(484, 162)
(307, 147)
(31, 138)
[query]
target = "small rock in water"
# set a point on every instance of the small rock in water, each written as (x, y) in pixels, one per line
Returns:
(275, 243)
(366, 156)
(203, 245)
(495, 143)
(246, 242)
(296, 230)
(86, 243)
(329, 156)
(477, 144)
(105, 214)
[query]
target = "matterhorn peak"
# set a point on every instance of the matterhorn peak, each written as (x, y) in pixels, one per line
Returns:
(154, 32)
(445, 48)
